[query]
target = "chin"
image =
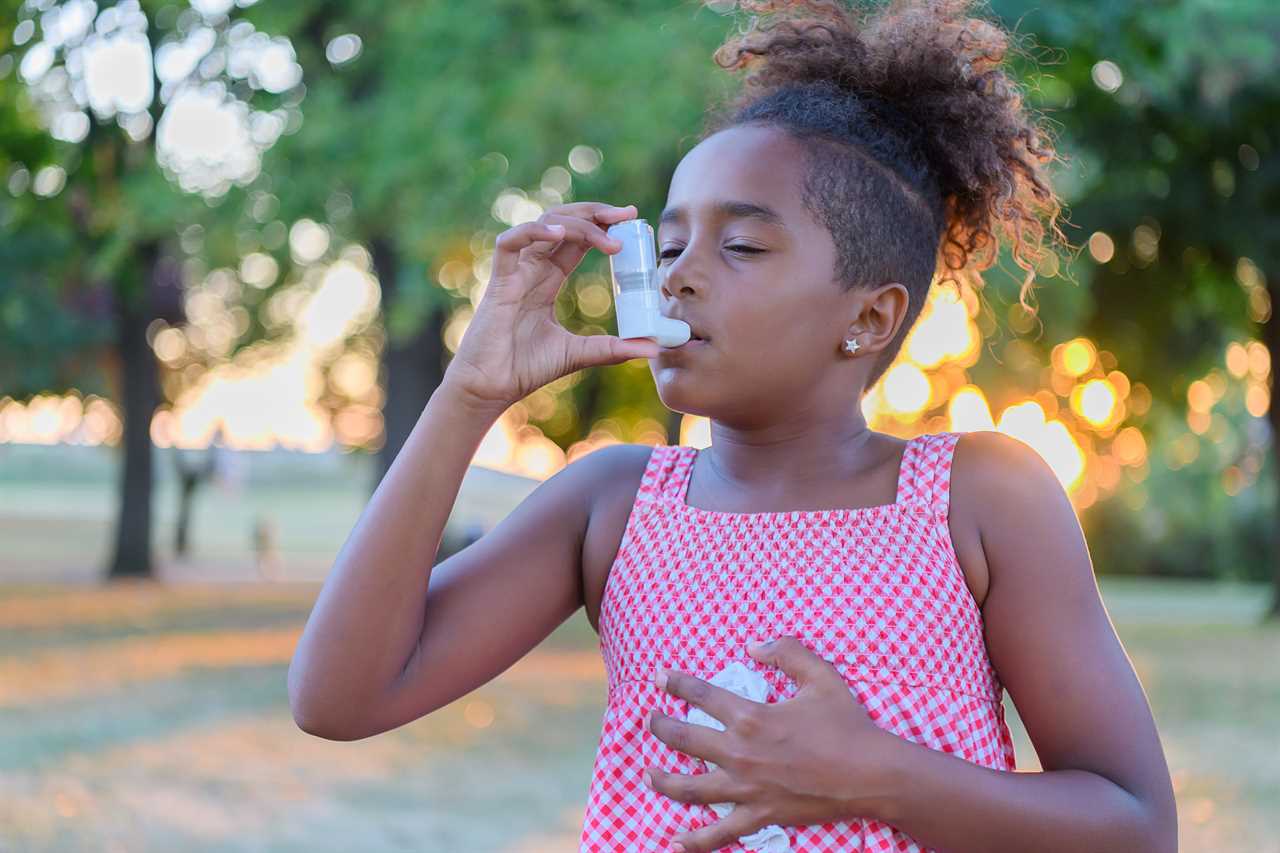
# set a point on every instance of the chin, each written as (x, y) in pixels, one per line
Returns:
(680, 391)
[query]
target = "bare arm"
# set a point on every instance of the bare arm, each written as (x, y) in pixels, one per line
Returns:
(1105, 785)
(391, 649)
(391, 638)
(368, 620)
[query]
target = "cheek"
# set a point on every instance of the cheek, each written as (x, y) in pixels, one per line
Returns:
(757, 317)
(782, 328)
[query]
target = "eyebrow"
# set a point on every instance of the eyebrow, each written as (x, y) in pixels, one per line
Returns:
(731, 210)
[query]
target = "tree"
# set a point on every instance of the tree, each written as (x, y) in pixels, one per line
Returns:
(43, 346)
(416, 137)
(116, 192)
(1168, 110)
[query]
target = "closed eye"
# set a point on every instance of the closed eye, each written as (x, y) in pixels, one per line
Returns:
(750, 250)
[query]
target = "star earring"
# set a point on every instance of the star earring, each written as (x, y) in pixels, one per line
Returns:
(852, 345)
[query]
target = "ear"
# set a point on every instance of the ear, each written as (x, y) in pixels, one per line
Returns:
(880, 313)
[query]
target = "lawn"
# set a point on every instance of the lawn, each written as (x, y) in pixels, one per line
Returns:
(153, 716)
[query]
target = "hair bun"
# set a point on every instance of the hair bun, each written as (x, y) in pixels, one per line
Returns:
(941, 69)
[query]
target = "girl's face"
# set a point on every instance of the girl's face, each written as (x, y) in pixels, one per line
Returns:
(749, 269)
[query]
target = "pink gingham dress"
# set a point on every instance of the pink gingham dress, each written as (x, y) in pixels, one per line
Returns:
(876, 591)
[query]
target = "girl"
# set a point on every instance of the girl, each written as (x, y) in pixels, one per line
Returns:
(905, 584)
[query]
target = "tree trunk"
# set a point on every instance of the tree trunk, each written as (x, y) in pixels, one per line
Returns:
(140, 395)
(413, 367)
(181, 539)
(190, 478)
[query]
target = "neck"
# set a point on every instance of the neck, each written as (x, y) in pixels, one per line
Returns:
(783, 455)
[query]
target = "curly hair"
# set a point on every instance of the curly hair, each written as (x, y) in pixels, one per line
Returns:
(919, 152)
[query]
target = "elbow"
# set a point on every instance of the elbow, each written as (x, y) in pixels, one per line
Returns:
(319, 725)
(1161, 839)
(1164, 833)
(314, 714)
(322, 709)
(324, 729)
(1158, 826)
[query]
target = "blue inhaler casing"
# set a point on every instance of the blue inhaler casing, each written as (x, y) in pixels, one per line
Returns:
(637, 287)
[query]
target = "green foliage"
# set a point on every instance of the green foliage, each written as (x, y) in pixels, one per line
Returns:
(1163, 170)
(45, 345)
(448, 104)
(83, 250)
(1181, 521)
(1166, 113)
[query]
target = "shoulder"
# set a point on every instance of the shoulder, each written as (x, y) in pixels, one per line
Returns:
(601, 464)
(606, 470)
(1003, 489)
(997, 484)
(592, 481)
(998, 469)
(609, 478)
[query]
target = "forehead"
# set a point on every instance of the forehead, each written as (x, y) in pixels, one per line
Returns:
(755, 164)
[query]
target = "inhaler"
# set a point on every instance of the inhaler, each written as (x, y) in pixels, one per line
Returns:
(637, 286)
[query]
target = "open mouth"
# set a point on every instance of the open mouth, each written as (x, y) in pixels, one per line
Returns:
(692, 343)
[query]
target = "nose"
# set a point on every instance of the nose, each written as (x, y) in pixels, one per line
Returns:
(675, 275)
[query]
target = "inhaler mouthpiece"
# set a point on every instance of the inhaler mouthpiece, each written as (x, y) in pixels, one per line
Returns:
(637, 284)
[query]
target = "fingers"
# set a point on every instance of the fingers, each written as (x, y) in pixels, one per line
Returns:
(726, 706)
(606, 214)
(743, 820)
(591, 350)
(716, 786)
(699, 741)
(584, 231)
(563, 234)
(797, 661)
(507, 248)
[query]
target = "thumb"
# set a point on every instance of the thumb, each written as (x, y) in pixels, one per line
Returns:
(796, 660)
(609, 349)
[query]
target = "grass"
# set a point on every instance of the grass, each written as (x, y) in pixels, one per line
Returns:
(148, 718)
(57, 512)
(163, 738)
(153, 716)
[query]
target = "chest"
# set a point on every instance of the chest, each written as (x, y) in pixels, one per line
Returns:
(878, 593)
(731, 560)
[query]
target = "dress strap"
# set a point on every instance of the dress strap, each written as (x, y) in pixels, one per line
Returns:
(664, 475)
(924, 480)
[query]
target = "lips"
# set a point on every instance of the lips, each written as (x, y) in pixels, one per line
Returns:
(690, 345)
(695, 334)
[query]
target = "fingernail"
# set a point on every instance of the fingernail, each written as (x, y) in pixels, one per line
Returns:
(648, 780)
(559, 229)
(678, 847)
(661, 679)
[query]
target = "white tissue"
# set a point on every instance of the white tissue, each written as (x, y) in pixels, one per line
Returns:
(737, 678)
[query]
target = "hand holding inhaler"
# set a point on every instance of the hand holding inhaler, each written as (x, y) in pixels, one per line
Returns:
(637, 287)
(514, 345)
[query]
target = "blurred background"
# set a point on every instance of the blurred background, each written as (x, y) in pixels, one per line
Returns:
(239, 242)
